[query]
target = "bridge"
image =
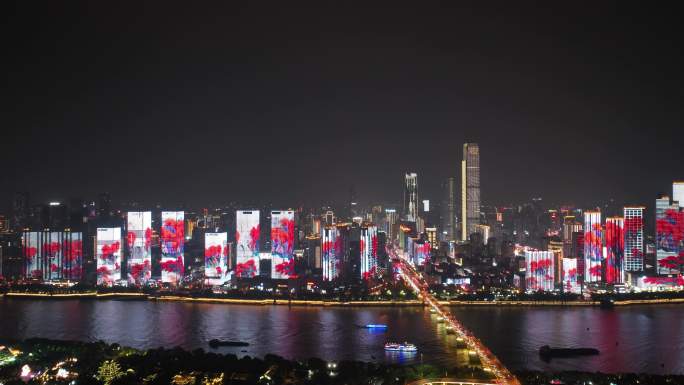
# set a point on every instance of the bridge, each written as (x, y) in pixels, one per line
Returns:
(490, 363)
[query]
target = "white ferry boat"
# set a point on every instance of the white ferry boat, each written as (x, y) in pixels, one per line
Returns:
(405, 347)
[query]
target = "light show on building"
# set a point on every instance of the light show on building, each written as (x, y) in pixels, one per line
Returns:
(53, 255)
(282, 245)
(329, 259)
(615, 251)
(593, 246)
(247, 235)
(421, 252)
(539, 270)
(72, 256)
(138, 240)
(216, 254)
(172, 242)
(634, 238)
(369, 251)
(669, 238)
(108, 254)
(570, 283)
(33, 258)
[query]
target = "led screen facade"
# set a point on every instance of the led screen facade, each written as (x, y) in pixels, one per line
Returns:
(615, 250)
(539, 270)
(72, 256)
(593, 246)
(369, 251)
(172, 241)
(329, 260)
(216, 255)
(282, 245)
(422, 252)
(31, 249)
(139, 240)
(570, 283)
(670, 240)
(108, 252)
(247, 236)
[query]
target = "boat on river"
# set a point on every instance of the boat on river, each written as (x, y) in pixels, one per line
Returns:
(405, 347)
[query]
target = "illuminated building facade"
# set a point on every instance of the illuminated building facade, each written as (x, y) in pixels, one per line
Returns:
(669, 234)
(539, 270)
(53, 255)
(570, 275)
(247, 236)
(483, 230)
(391, 223)
(329, 256)
(282, 245)
(678, 192)
(410, 207)
(369, 251)
(139, 242)
(593, 246)
(431, 236)
(172, 242)
(108, 253)
(615, 251)
(634, 238)
(470, 189)
(216, 253)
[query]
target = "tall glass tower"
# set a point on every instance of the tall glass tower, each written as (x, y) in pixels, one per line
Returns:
(410, 208)
(470, 189)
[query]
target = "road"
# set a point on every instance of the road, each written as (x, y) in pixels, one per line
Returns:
(489, 361)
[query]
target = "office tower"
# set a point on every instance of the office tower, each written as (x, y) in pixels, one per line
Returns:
(669, 232)
(570, 276)
(634, 238)
(368, 250)
(391, 223)
(484, 231)
(410, 208)
(593, 246)
(448, 210)
(20, 211)
(470, 189)
(556, 247)
(678, 192)
(539, 270)
(615, 251)
(431, 236)
(570, 226)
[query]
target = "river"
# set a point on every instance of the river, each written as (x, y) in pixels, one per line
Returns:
(638, 338)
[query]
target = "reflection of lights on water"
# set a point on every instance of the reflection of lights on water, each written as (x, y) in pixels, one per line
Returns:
(400, 357)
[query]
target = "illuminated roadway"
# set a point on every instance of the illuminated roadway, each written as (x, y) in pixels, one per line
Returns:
(489, 361)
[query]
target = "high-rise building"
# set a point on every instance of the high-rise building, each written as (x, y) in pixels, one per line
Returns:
(678, 192)
(470, 189)
(669, 235)
(615, 251)
(410, 208)
(448, 210)
(593, 246)
(539, 270)
(634, 238)
(484, 231)
(391, 223)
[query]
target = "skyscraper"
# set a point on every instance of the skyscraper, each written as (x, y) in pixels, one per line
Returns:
(593, 246)
(448, 210)
(634, 238)
(410, 208)
(678, 192)
(615, 250)
(669, 230)
(470, 189)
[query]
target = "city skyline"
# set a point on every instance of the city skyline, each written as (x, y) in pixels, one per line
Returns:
(218, 107)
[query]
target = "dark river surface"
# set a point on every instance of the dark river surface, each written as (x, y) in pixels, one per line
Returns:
(638, 338)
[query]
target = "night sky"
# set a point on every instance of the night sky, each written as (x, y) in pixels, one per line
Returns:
(275, 102)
